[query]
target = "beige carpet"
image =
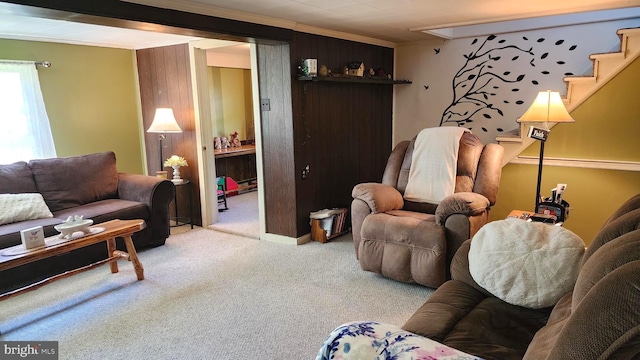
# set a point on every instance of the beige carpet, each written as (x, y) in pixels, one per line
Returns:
(210, 295)
(242, 216)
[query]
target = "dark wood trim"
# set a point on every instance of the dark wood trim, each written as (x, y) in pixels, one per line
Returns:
(136, 16)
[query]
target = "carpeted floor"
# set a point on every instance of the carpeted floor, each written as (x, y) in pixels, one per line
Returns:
(242, 216)
(211, 295)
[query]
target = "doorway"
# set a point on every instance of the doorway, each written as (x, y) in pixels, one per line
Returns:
(226, 91)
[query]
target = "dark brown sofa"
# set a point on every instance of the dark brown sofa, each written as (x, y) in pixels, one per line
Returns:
(598, 319)
(88, 185)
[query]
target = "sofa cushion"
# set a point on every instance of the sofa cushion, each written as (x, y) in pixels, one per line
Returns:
(77, 180)
(20, 207)
(16, 178)
(524, 263)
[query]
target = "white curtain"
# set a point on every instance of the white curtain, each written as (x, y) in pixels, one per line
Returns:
(24, 124)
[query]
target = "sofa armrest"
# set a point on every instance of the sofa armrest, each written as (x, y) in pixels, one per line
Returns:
(452, 301)
(464, 203)
(154, 192)
(379, 197)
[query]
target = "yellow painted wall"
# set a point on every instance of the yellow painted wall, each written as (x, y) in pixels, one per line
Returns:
(605, 129)
(91, 98)
(232, 108)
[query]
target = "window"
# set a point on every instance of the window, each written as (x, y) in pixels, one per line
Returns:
(24, 124)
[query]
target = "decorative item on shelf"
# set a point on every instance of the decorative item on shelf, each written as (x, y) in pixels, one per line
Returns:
(224, 142)
(372, 72)
(383, 74)
(161, 174)
(234, 141)
(547, 107)
(176, 162)
(163, 122)
(308, 67)
(355, 68)
(217, 143)
(324, 71)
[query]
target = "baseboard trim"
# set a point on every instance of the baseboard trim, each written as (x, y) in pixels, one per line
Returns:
(281, 239)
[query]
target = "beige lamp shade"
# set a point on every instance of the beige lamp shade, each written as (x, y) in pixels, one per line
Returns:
(547, 107)
(164, 122)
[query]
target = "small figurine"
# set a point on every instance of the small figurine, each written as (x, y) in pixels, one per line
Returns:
(217, 144)
(234, 142)
(225, 142)
(324, 71)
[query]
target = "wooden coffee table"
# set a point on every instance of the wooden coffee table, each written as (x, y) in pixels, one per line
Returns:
(112, 229)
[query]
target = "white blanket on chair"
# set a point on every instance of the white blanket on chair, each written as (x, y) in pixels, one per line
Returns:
(432, 176)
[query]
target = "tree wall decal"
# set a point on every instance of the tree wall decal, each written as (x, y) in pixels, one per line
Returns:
(476, 84)
(490, 70)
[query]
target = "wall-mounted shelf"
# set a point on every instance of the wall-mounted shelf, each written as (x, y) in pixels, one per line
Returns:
(353, 80)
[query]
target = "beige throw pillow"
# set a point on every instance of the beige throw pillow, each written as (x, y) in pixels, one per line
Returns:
(524, 263)
(20, 207)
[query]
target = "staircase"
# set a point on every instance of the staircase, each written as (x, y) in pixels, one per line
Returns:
(579, 88)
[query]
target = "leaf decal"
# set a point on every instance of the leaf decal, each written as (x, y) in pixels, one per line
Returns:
(535, 82)
(545, 72)
(559, 42)
(540, 40)
(560, 62)
(568, 74)
(473, 97)
(519, 102)
(544, 56)
(573, 47)
(499, 129)
(484, 129)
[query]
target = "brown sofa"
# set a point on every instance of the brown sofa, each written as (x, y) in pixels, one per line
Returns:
(598, 319)
(88, 185)
(410, 241)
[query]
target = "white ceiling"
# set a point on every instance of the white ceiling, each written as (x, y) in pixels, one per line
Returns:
(385, 22)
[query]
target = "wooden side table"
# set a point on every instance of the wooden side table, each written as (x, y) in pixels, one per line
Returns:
(182, 220)
(530, 216)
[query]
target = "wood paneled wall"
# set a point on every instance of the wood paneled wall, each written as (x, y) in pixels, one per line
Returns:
(278, 141)
(165, 81)
(341, 130)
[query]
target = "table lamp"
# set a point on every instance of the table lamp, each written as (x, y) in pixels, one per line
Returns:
(547, 107)
(163, 122)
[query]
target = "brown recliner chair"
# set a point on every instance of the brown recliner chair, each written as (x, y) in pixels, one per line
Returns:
(415, 242)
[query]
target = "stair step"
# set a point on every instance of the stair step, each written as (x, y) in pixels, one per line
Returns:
(580, 87)
(610, 55)
(510, 136)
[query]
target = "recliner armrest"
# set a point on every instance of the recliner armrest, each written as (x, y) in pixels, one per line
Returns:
(465, 203)
(379, 197)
